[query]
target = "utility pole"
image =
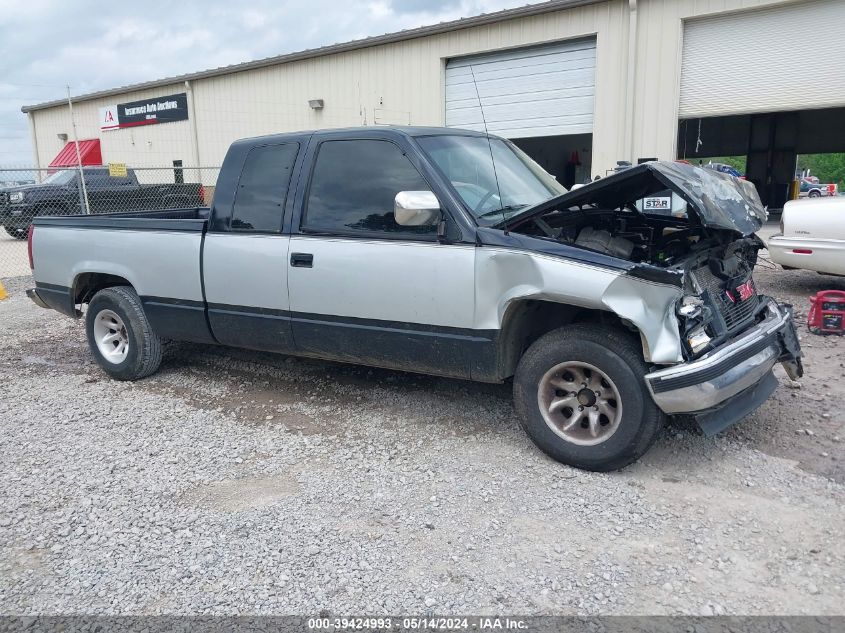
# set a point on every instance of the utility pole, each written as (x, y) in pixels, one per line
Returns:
(78, 155)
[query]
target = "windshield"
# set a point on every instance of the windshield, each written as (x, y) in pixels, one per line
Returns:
(64, 177)
(466, 162)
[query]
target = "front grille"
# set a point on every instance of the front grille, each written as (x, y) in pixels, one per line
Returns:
(734, 313)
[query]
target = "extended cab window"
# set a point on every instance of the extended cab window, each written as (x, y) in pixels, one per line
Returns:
(354, 185)
(263, 187)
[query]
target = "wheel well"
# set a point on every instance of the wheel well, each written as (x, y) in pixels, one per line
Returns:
(89, 284)
(527, 320)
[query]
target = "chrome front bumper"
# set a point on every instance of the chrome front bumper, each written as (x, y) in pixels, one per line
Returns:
(735, 368)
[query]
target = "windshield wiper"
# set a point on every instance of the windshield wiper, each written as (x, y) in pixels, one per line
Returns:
(503, 210)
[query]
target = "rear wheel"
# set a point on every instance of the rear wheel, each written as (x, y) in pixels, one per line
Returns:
(18, 234)
(120, 336)
(581, 396)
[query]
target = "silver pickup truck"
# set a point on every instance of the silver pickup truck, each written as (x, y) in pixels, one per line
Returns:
(448, 252)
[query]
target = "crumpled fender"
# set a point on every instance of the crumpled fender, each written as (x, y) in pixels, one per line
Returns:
(644, 295)
(650, 306)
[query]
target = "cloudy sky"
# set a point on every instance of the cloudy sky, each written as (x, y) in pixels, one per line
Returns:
(93, 45)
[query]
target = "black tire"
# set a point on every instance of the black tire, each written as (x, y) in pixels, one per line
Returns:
(18, 234)
(143, 355)
(616, 354)
(815, 194)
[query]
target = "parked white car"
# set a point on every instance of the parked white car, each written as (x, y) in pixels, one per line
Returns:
(812, 236)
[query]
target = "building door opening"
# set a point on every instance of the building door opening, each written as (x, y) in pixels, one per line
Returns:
(568, 157)
(769, 142)
(820, 175)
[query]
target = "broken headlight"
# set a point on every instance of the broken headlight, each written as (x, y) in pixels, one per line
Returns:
(691, 308)
(694, 316)
(697, 340)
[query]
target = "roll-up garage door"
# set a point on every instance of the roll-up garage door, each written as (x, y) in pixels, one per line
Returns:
(782, 58)
(538, 91)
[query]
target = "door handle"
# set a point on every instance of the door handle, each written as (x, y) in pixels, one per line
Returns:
(302, 260)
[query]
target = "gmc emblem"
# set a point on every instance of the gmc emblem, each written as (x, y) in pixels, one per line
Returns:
(741, 292)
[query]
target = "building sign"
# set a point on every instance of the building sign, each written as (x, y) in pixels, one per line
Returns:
(145, 112)
(108, 118)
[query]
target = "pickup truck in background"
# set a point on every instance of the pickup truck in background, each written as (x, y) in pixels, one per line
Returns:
(811, 188)
(447, 252)
(60, 194)
(724, 168)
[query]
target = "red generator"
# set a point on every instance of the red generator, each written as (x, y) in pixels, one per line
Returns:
(827, 312)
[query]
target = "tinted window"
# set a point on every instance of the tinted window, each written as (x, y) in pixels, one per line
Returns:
(353, 188)
(100, 178)
(263, 187)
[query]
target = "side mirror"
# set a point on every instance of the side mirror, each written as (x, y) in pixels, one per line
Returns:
(416, 208)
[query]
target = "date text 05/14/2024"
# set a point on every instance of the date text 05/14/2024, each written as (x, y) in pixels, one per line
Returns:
(417, 623)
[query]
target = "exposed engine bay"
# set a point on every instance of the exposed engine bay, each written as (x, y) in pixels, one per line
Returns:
(719, 296)
(707, 240)
(711, 210)
(657, 240)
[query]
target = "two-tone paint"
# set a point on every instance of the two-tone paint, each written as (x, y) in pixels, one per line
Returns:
(460, 302)
(422, 304)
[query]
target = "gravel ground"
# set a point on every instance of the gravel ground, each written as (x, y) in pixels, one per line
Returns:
(13, 258)
(234, 482)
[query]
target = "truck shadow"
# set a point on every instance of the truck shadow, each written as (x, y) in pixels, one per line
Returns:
(315, 397)
(312, 396)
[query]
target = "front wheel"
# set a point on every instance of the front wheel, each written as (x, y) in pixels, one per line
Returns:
(581, 397)
(815, 194)
(120, 336)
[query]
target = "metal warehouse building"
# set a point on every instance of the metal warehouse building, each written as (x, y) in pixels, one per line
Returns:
(578, 84)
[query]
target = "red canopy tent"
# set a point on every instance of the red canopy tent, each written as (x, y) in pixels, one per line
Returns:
(89, 152)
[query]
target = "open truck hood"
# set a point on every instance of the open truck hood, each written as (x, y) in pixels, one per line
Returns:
(716, 200)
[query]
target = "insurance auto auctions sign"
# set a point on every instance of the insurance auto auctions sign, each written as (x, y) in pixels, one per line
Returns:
(145, 112)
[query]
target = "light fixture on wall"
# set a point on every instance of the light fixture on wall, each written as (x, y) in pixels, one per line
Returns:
(62, 136)
(316, 104)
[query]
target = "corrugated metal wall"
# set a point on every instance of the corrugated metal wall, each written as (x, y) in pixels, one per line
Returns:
(403, 83)
(398, 83)
(143, 146)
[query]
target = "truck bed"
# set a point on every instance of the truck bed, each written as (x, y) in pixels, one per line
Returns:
(190, 219)
(157, 252)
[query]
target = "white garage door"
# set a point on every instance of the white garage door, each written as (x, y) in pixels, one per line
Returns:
(538, 91)
(783, 58)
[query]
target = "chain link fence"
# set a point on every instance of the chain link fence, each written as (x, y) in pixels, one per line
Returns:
(26, 193)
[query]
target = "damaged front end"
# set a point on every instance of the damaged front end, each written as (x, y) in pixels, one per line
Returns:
(691, 232)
